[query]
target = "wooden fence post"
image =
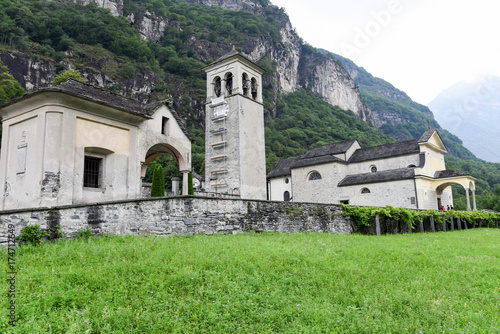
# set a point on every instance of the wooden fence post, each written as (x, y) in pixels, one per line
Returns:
(422, 224)
(444, 223)
(474, 225)
(433, 227)
(452, 224)
(459, 223)
(465, 225)
(497, 224)
(377, 223)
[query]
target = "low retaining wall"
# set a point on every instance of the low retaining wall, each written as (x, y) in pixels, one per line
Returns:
(181, 215)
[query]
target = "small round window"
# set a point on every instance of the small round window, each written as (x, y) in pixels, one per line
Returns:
(287, 180)
(314, 176)
(373, 169)
(365, 191)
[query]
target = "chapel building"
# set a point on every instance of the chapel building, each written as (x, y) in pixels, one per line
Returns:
(409, 174)
(76, 144)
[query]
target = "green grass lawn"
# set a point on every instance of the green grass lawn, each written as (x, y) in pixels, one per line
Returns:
(260, 283)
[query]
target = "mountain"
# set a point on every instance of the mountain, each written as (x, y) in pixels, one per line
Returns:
(394, 112)
(156, 49)
(472, 110)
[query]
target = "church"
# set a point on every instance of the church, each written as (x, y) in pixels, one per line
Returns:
(77, 144)
(409, 174)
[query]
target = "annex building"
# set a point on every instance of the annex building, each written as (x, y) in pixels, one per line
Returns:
(76, 143)
(410, 174)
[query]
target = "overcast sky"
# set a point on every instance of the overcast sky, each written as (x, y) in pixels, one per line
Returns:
(420, 46)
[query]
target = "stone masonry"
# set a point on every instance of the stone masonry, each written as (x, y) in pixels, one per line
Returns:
(181, 216)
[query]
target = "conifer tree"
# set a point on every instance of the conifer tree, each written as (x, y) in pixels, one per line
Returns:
(190, 184)
(158, 186)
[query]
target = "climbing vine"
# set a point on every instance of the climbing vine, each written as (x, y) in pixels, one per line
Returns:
(363, 216)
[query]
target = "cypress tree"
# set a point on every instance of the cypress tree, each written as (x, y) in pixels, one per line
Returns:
(190, 184)
(158, 186)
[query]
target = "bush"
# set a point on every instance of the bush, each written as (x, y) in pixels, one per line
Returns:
(84, 233)
(158, 186)
(65, 75)
(32, 234)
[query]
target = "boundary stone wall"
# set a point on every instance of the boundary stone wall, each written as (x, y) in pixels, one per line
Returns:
(180, 216)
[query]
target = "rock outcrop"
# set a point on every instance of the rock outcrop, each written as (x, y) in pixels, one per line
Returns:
(294, 69)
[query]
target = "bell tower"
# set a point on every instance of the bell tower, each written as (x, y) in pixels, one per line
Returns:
(235, 157)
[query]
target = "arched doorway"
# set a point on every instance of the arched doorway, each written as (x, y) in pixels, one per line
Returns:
(173, 164)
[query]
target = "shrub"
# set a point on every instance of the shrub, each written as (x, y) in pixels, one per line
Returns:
(158, 186)
(65, 75)
(84, 233)
(32, 234)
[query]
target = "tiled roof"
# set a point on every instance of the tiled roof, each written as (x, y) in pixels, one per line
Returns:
(386, 151)
(283, 168)
(101, 96)
(382, 176)
(322, 159)
(443, 174)
(334, 148)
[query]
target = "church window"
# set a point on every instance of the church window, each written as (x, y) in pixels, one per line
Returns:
(286, 196)
(314, 176)
(229, 83)
(254, 88)
(413, 200)
(92, 172)
(365, 191)
(287, 180)
(373, 169)
(217, 86)
(245, 84)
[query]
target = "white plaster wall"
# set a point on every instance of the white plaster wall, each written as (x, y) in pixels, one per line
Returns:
(434, 161)
(394, 193)
(402, 161)
(278, 186)
(317, 191)
(150, 134)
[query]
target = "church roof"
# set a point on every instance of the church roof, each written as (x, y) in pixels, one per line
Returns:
(386, 151)
(382, 176)
(334, 148)
(234, 53)
(98, 95)
(283, 167)
(444, 174)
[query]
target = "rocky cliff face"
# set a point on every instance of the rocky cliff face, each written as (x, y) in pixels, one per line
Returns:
(294, 70)
(253, 6)
(114, 6)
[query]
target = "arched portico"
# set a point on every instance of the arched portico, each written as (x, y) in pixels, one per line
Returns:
(161, 149)
(467, 182)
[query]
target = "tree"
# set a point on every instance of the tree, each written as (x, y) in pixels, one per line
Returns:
(65, 75)
(158, 186)
(190, 184)
(9, 87)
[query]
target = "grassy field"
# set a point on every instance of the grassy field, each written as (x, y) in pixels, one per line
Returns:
(260, 283)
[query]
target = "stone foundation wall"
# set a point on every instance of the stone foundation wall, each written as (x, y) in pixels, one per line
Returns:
(182, 215)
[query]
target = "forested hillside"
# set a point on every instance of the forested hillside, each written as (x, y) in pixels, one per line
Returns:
(156, 49)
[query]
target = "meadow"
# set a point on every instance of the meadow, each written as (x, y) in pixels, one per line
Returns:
(259, 283)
